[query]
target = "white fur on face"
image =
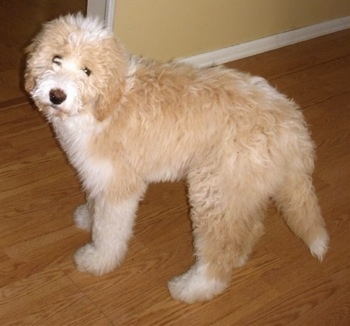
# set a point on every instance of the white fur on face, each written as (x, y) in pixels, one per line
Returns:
(66, 76)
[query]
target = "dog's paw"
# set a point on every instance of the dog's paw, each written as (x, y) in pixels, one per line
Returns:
(240, 261)
(195, 286)
(319, 246)
(91, 260)
(82, 217)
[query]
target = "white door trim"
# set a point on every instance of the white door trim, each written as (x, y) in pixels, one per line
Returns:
(103, 9)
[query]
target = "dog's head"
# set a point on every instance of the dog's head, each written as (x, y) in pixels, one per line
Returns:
(74, 66)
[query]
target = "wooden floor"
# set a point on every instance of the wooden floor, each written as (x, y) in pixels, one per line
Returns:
(281, 284)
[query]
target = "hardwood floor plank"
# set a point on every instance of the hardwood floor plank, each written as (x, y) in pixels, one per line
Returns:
(47, 298)
(296, 57)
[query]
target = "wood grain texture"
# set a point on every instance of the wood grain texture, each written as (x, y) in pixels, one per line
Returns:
(281, 284)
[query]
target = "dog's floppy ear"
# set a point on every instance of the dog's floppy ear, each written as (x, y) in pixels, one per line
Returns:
(29, 80)
(114, 61)
(108, 99)
(32, 60)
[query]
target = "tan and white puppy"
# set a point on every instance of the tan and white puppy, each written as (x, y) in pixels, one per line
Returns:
(125, 122)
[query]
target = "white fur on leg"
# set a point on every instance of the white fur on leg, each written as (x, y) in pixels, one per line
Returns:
(195, 285)
(111, 231)
(82, 217)
(319, 246)
(92, 260)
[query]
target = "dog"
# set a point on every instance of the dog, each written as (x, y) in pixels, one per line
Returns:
(126, 121)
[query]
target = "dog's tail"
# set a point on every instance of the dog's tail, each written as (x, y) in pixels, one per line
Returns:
(298, 204)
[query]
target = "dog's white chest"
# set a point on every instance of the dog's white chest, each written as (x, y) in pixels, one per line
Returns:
(75, 135)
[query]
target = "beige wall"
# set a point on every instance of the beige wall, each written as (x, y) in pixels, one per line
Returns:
(168, 29)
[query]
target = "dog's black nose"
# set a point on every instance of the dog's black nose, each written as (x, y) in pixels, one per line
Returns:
(57, 96)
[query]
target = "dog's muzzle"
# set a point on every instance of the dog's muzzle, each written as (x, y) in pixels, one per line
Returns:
(57, 96)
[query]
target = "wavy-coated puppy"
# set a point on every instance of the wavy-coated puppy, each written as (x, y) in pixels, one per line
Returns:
(125, 122)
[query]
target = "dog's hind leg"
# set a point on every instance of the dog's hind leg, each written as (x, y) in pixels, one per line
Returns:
(226, 225)
(299, 206)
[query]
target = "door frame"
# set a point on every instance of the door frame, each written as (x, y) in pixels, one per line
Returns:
(103, 9)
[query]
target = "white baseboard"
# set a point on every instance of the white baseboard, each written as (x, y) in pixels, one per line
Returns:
(247, 49)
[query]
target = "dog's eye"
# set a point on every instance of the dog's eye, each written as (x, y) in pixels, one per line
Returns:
(87, 71)
(57, 59)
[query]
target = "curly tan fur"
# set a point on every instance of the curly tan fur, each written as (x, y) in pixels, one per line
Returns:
(125, 122)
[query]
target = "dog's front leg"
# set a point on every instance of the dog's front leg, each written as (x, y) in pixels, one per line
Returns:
(83, 215)
(112, 224)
